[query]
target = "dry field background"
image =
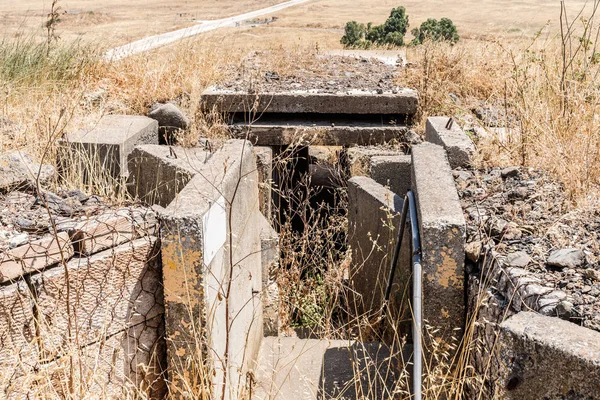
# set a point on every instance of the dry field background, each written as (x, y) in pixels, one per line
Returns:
(115, 22)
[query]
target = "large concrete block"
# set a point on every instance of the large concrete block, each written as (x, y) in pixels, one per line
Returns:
(211, 254)
(392, 171)
(459, 146)
(442, 229)
(35, 256)
(159, 173)
(373, 223)
(128, 364)
(358, 158)
(547, 358)
(106, 146)
(106, 293)
(405, 101)
(18, 348)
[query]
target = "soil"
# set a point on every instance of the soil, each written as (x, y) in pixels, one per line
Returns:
(321, 74)
(515, 210)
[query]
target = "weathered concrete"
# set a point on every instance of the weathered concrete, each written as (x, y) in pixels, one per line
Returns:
(373, 223)
(112, 229)
(107, 293)
(264, 165)
(125, 365)
(351, 102)
(320, 132)
(269, 246)
(105, 147)
(18, 349)
(392, 171)
(295, 369)
(358, 158)
(211, 254)
(19, 171)
(458, 145)
(442, 226)
(547, 358)
(159, 173)
(35, 256)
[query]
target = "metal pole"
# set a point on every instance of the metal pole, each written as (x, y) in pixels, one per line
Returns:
(417, 300)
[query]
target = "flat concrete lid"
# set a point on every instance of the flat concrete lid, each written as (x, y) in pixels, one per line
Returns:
(402, 101)
(112, 129)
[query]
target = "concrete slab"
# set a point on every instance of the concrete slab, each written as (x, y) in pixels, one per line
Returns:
(35, 256)
(18, 171)
(458, 145)
(405, 101)
(107, 145)
(112, 229)
(545, 357)
(337, 132)
(211, 254)
(108, 292)
(373, 223)
(442, 228)
(304, 369)
(159, 173)
(392, 171)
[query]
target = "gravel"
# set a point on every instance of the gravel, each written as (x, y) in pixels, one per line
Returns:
(526, 217)
(322, 74)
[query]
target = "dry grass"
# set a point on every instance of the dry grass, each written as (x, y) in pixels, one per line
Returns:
(551, 96)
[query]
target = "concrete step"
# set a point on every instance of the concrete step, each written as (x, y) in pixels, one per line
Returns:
(403, 101)
(306, 369)
(321, 132)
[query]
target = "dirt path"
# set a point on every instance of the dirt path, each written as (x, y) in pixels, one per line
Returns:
(152, 42)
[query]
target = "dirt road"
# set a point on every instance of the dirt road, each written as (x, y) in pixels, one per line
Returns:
(152, 42)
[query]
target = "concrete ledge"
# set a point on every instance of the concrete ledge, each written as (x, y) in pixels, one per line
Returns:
(320, 133)
(443, 228)
(392, 171)
(352, 102)
(544, 357)
(373, 219)
(358, 158)
(159, 173)
(264, 165)
(107, 145)
(458, 145)
(269, 245)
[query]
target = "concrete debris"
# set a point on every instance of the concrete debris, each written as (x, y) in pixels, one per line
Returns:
(566, 258)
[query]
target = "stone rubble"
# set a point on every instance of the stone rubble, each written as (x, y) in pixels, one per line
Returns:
(549, 251)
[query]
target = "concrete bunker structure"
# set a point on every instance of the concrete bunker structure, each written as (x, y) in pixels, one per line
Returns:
(204, 256)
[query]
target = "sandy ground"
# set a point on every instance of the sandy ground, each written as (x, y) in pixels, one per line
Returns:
(114, 22)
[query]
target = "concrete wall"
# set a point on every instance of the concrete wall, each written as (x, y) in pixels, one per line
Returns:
(442, 227)
(213, 272)
(373, 223)
(546, 358)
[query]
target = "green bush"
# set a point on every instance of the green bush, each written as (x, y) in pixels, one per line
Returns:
(432, 29)
(390, 33)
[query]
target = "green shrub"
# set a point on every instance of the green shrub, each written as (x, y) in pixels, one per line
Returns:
(437, 31)
(390, 33)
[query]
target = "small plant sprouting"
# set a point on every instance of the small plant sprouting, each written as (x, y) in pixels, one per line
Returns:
(53, 20)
